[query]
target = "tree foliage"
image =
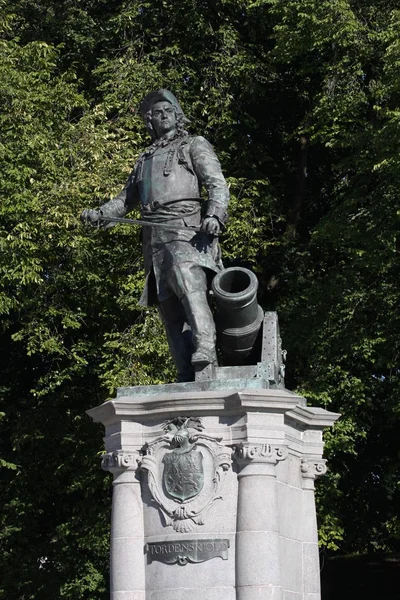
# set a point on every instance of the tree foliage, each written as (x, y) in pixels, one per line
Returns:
(301, 101)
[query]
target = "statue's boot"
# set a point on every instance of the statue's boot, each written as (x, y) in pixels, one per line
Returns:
(200, 319)
(179, 337)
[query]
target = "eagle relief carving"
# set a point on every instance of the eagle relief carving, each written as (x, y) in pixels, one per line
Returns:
(185, 469)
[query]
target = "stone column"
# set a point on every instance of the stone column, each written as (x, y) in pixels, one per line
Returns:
(127, 569)
(310, 469)
(257, 537)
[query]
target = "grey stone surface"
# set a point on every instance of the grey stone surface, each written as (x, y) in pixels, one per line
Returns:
(260, 592)
(290, 503)
(258, 510)
(258, 559)
(312, 584)
(309, 518)
(291, 561)
(128, 502)
(288, 471)
(264, 505)
(124, 552)
(206, 575)
(214, 593)
(127, 536)
(292, 595)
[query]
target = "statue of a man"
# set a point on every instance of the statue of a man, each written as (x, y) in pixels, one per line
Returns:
(179, 262)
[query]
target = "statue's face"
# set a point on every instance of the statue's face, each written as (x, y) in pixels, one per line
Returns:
(163, 118)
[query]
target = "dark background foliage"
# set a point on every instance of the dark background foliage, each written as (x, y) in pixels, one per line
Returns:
(301, 101)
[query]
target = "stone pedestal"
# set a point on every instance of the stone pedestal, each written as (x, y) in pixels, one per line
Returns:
(213, 491)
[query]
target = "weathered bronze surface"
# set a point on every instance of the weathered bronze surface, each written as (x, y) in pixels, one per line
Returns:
(184, 551)
(183, 476)
(115, 220)
(166, 183)
(238, 316)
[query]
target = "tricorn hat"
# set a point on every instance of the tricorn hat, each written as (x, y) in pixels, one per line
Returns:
(158, 96)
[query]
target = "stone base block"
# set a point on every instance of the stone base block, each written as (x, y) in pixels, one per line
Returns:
(216, 593)
(292, 596)
(213, 492)
(259, 593)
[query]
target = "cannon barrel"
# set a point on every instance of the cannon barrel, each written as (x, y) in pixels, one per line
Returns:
(238, 317)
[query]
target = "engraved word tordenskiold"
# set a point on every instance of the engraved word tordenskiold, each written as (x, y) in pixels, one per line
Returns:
(184, 551)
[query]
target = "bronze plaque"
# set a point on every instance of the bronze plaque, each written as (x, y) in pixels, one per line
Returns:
(184, 551)
(183, 473)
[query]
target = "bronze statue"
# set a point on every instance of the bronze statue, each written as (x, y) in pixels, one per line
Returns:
(180, 243)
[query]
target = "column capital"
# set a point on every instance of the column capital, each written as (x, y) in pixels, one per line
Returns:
(259, 453)
(311, 468)
(120, 461)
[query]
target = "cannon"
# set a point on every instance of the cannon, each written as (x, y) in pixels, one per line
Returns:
(248, 339)
(238, 316)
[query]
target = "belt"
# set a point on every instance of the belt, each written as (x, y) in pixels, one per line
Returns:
(165, 211)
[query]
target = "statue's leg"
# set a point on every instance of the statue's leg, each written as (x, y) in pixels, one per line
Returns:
(200, 319)
(179, 336)
(189, 283)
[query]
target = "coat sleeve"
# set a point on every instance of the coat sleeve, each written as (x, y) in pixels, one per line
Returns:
(125, 201)
(208, 170)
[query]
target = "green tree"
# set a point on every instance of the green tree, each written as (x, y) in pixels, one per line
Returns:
(65, 294)
(301, 100)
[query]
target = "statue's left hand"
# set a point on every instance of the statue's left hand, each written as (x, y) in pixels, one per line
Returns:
(90, 216)
(211, 225)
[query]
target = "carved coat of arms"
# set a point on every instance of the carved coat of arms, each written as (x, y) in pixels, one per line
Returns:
(185, 467)
(183, 473)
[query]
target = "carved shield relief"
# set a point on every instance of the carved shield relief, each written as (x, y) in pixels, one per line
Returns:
(185, 470)
(183, 474)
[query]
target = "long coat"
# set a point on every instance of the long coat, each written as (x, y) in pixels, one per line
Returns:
(166, 182)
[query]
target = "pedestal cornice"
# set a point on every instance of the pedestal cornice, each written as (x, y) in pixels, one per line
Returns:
(210, 402)
(312, 417)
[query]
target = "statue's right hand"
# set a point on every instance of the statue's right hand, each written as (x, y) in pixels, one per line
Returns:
(90, 216)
